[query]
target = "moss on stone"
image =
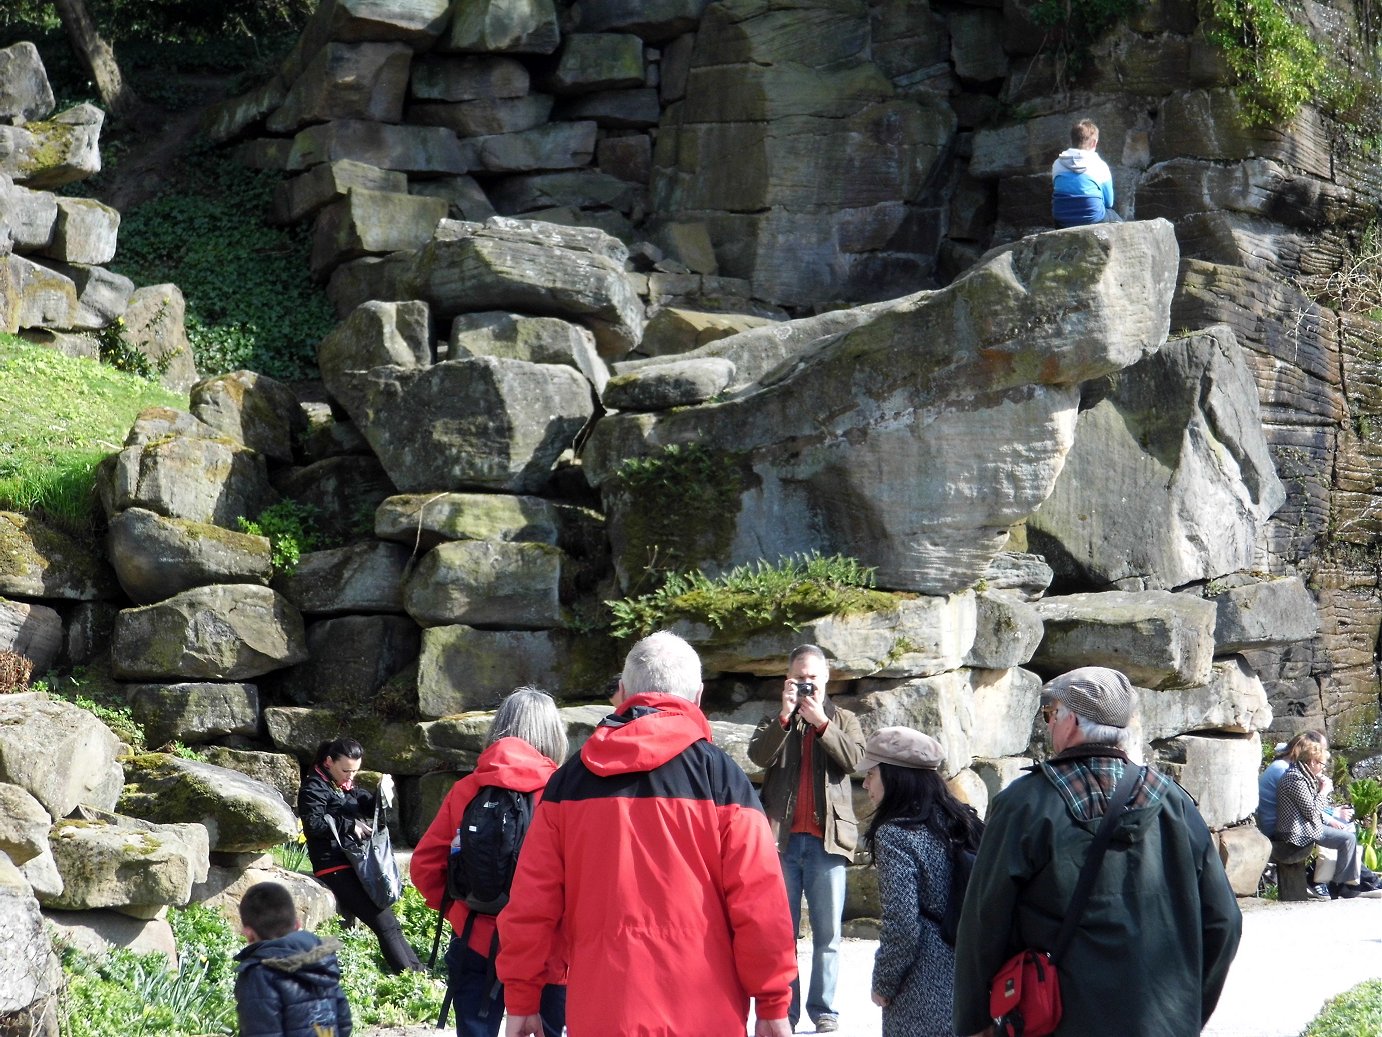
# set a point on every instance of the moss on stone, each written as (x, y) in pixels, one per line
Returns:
(678, 509)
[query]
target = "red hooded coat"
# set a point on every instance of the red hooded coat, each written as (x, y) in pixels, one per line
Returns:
(510, 763)
(653, 851)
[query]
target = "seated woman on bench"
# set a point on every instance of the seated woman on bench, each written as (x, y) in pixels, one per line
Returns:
(1303, 817)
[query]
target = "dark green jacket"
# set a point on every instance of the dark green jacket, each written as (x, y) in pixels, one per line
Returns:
(1153, 947)
(838, 753)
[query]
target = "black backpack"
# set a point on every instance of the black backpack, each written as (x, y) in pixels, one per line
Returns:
(480, 868)
(961, 866)
(490, 835)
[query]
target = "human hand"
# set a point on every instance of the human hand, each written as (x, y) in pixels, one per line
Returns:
(363, 830)
(880, 1000)
(789, 700)
(386, 790)
(523, 1026)
(772, 1028)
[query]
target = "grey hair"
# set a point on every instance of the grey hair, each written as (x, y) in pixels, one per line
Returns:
(810, 651)
(1099, 734)
(530, 714)
(664, 663)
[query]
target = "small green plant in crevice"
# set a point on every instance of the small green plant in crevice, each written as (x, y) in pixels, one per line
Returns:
(118, 352)
(292, 856)
(680, 505)
(292, 531)
(751, 597)
(105, 700)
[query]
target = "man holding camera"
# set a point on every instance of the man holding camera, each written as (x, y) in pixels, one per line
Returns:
(809, 748)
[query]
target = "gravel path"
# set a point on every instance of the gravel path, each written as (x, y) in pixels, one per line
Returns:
(1331, 947)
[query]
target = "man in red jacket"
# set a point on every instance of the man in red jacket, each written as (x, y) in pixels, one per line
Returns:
(651, 850)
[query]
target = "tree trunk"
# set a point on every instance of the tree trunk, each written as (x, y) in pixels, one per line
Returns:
(95, 53)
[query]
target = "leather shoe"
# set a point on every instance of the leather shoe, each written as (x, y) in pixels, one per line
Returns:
(1349, 892)
(827, 1024)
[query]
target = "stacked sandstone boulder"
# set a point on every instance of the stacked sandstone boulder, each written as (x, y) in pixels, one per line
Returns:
(54, 287)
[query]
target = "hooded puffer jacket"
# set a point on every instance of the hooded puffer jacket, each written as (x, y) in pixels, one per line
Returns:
(291, 987)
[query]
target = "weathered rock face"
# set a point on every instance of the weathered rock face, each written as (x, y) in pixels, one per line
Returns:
(252, 409)
(32, 977)
(38, 560)
(828, 156)
(24, 825)
(202, 480)
(59, 754)
(219, 632)
(1158, 639)
(487, 581)
(475, 423)
(156, 557)
(1164, 450)
(194, 713)
(938, 399)
(241, 813)
(135, 867)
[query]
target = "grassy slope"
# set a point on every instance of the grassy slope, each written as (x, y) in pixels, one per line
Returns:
(59, 417)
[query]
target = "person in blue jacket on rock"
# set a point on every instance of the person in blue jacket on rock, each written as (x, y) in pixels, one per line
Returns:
(1081, 184)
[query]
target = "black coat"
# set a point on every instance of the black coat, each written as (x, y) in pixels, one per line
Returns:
(320, 798)
(291, 987)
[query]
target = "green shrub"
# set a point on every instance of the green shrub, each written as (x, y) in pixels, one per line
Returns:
(137, 994)
(1277, 66)
(1352, 1013)
(375, 997)
(292, 530)
(751, 597)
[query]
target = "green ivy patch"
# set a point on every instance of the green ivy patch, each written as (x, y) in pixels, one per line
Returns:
(1277, 66)
(250, 301)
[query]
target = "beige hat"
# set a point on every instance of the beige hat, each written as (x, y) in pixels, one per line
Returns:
(1096, 693)
(902, 747)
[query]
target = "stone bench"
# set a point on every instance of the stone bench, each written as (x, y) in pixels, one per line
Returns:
(1292, 868)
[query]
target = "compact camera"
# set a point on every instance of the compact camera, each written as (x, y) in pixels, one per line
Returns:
(805, 689)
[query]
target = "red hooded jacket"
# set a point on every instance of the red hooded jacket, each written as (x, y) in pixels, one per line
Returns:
(510, 763)
(652, 849)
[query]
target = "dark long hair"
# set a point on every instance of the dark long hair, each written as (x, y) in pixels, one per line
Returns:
(916, 798)
(347, 747)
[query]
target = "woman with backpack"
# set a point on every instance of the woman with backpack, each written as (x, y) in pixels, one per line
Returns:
(333, 808)
(486, 813)
(918, 832)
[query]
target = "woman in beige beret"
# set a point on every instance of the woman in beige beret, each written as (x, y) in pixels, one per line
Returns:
(917, 830)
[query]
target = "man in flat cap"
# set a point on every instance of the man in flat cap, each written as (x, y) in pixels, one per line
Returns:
(1152, 949)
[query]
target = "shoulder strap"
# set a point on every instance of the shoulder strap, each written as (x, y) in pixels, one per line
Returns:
(1122, 792)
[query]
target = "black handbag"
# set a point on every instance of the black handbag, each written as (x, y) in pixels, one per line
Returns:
(373, 860)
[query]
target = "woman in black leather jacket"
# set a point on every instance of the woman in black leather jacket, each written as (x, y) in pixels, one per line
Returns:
(329, 790)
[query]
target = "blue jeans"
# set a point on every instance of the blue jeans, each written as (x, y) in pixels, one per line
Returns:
(808, 869)
(473, 989)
